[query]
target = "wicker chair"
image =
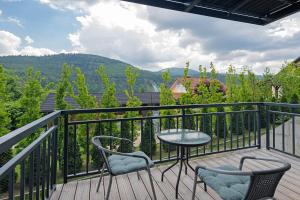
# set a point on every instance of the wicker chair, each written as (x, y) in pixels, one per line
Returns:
(232, 183)
(117, 163)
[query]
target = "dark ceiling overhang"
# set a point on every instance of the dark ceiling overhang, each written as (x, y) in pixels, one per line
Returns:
(260, 12)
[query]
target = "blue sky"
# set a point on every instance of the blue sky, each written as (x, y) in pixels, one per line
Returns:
(151, 38)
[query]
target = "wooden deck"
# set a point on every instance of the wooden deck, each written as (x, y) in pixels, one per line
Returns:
(128, 187)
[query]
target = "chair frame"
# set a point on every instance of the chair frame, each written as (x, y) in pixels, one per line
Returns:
(103, 151)
(253, 175)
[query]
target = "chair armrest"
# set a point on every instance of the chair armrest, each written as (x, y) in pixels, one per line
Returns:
(227, 172)
(286, 166)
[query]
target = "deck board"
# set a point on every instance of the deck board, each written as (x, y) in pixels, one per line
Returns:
(127, 187)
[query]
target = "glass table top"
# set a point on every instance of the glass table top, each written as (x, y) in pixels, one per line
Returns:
(184, 137)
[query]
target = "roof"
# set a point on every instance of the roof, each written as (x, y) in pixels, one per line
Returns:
(194, 84)
(147, 98)
(260, 12)
(297, 60)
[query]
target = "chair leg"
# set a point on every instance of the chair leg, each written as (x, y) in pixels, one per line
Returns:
(205, 187)
(101, 176)
(109, 187)
(194, 186)
(151, 182)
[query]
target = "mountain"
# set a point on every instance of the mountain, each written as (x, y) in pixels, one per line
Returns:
(50, 68)
(178, 72)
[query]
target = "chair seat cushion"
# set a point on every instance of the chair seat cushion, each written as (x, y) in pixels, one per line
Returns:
(229, 187)
(125, 164)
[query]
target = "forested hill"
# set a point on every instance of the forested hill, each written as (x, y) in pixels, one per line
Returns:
(50, 67)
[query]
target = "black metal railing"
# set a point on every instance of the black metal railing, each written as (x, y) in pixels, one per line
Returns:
(283, 123)
(60, 146)
(31, 173)
(230, 128)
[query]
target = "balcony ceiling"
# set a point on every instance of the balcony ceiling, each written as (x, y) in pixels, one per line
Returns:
(260, 12)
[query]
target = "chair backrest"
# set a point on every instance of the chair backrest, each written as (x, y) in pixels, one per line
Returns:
(102, 151)
(263, 184)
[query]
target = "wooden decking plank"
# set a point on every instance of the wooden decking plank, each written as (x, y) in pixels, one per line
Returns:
(56, 194)
(69, 190)
(83, 189)
(94, 195)
(183, 191)
(188, 180)
(138, 187)
(159, 192)
(125, 189)
(165, 186)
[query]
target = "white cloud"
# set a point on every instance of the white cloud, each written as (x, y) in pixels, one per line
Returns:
(28, 39)
(286, 28)
(11, 44)
(0, 12)
(15, 20)
(74, 5)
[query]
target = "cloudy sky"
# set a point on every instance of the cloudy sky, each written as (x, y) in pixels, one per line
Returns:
(148, 37)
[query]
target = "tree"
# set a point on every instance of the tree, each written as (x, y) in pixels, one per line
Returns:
(63, 88)
(236, 122)
(294, 100)
(5, 120)
(148, 142)
(108, 100)
(133, 101)
(166, 98)
(186, 99)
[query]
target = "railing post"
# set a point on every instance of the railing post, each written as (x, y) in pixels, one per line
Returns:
(259, 125)
(183, 118)
(55, 150)
(66, 131)
(268, 128)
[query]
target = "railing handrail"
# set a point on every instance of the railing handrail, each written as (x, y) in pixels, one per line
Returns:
(25, 152)
(145, 108)
(289, 105)
(12, 138)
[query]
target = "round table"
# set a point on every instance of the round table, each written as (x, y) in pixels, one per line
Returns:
(183, 139)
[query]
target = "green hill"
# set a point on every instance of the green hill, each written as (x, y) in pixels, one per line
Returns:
(50, 67)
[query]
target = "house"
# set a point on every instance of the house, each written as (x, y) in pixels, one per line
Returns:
(297, 61)
(178, 89)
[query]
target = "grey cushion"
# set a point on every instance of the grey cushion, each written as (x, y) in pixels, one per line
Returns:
(125, 164)
(229, 187)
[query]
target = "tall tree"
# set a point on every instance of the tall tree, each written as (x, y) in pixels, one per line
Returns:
(148, 144)
(108, 100)
(187, 98)
(128, 130)
(4, 119)
(166, 98)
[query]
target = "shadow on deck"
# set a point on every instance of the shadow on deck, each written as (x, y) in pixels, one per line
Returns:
(130, 188)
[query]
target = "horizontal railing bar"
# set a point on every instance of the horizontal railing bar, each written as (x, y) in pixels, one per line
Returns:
(284, 113)
(12, 138)
(281, 105)
(25, 152)
(287, 153)
(157, 117)
(145, 108)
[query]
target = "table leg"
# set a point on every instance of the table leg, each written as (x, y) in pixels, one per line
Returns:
(180, 169)
(162, 174)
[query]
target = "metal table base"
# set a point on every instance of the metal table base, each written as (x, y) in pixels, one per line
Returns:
(182, 158)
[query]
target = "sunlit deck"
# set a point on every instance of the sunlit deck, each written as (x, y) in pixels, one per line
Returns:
(129, 187)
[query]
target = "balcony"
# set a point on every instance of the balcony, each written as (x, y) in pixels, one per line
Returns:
(48, 168)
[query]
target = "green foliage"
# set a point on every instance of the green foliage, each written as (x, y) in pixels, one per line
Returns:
(221, 124)
(148, 137)
(74, 155)
(206, 122)
(236, 122)
(5, 120)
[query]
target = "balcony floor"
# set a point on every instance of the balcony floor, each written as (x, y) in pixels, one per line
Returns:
(129, 187)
